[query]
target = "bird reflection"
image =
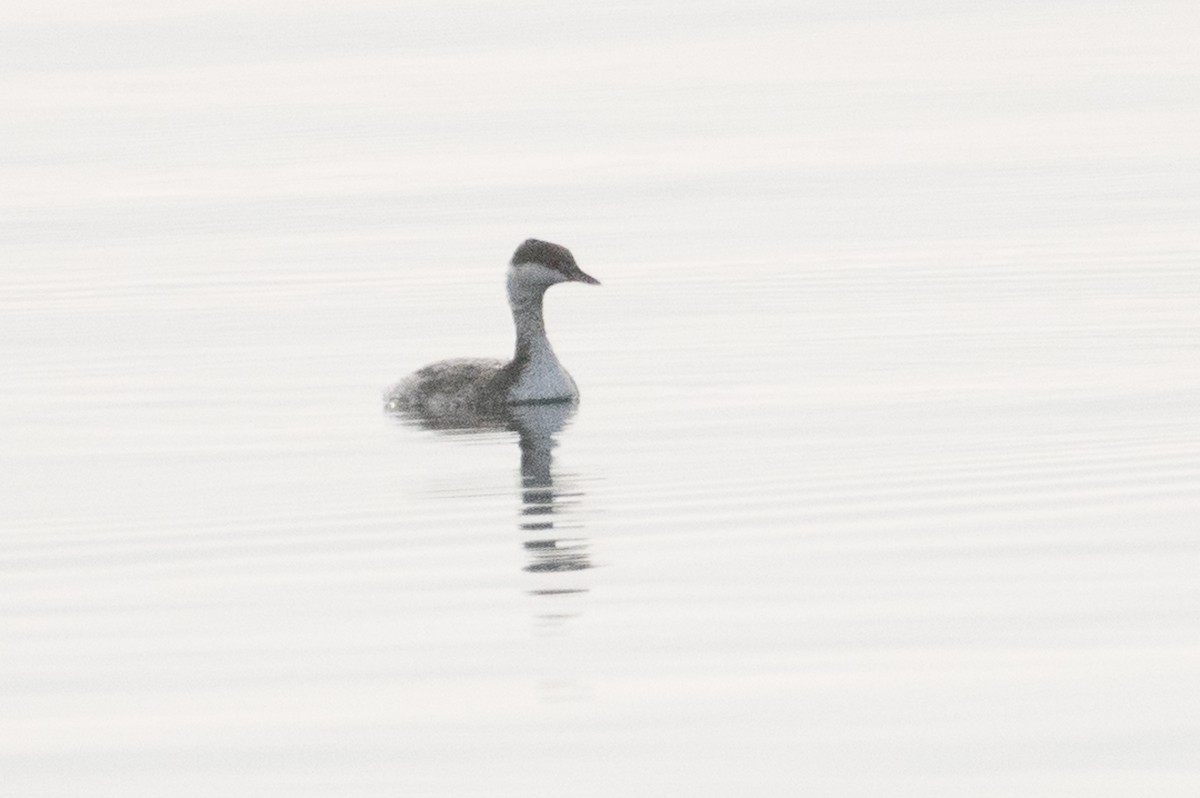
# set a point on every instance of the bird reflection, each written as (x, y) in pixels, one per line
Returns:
(549, 551)
(554, 546)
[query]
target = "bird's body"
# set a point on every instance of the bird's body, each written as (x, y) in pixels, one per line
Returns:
(469, 386)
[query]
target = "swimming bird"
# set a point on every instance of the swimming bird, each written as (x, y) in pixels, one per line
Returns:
(479, 387)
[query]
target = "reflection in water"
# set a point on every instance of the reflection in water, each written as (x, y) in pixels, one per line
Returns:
(549, 552)
(541, 523)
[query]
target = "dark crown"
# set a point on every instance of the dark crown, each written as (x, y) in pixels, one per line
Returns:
(550, 255)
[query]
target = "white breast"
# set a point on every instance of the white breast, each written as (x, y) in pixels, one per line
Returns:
(543, 378)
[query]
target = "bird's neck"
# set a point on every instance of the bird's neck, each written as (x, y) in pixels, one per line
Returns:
(540, 376)
(526, 304)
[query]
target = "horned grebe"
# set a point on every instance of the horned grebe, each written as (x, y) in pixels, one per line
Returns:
(471, 387)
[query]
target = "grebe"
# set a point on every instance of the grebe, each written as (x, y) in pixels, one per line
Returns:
(473, 387)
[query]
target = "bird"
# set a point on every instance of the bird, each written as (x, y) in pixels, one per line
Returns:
(474, 387)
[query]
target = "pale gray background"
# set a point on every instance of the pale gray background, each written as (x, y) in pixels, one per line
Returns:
(888, 461)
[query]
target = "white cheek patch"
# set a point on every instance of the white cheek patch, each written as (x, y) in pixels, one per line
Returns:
(536, 274)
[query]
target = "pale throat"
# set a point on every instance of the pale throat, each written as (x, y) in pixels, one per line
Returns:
(541, 375)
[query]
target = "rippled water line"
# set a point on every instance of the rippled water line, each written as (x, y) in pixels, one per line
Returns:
(864, 462)
(983, 278)
(70, 531)
(718, 519)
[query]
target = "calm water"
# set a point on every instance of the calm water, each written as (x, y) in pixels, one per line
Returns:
(886, 473)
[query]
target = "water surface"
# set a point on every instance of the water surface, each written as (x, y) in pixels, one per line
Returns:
(885, 474)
